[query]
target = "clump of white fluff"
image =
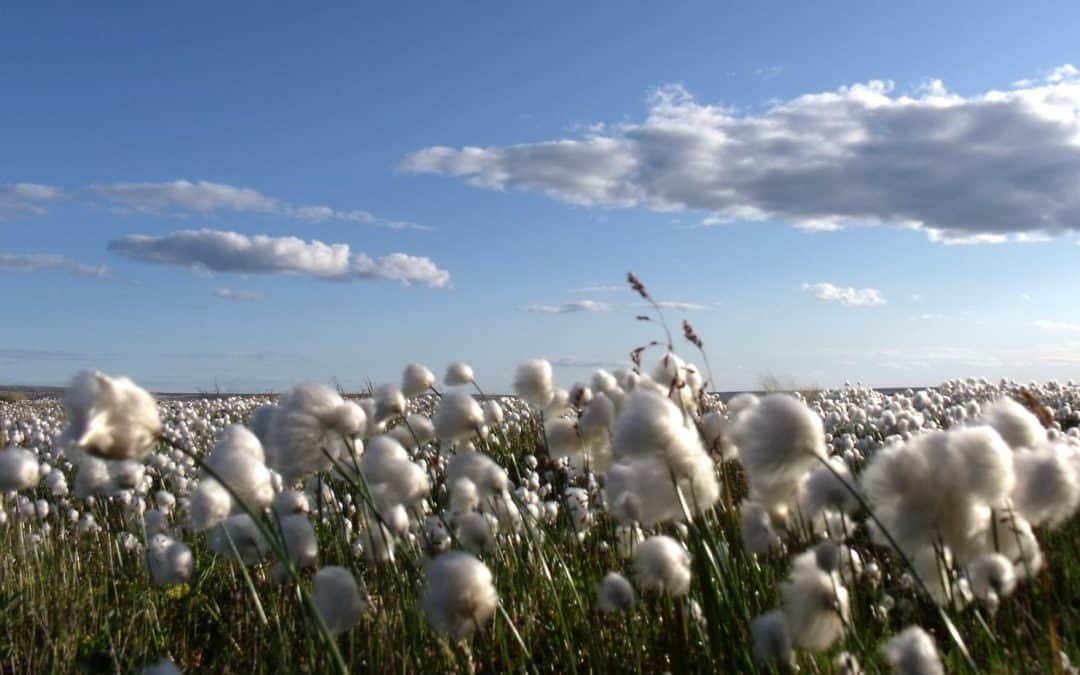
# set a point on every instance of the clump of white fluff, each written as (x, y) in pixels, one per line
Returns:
(1017, 425)
(653, 447)
(459, 373)
(415, 380)
(458, 417)
(110, 417)
(912, 652)
(261, 422)
(389, 403)
(170, 561)
(615, 593)
(772, 639)
(533, 382)
(337, 597)
(18, 469)
(825, 489)
(239, 532)
(815, 604)
(1047, 486)
(661, 564)
(298, 536)
(562, 437)
(391, 474)
(237, 460)
(309, 429)
(939, 485)
(488, 477)
(459, 595)
(758, 534)
(780, 439)
(209, 504)
(992, 576)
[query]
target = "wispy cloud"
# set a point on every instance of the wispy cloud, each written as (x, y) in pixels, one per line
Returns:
(17, 198)
(1061, 326)
(222, 251)
(680, 306)
(574, 362)
(845, 295)
(958, 167)
(595, 288)
(237, 295)
(206, 197)
(570, 307)
(769, 72)
(36, 262)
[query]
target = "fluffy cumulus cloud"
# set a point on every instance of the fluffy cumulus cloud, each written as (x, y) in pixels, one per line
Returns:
(996, 166)
(571, 307)
(855, 297)
(36, 262)
(1060, 326)
(18, 198)
(222, 251)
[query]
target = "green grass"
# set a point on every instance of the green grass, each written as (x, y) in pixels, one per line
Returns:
(84, 604)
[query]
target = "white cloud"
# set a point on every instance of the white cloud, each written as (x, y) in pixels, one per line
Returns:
(992, 167)
(680, 305)
(17, 198)
(1062, 326)
(845, 295)
(222, 251)
(574, 362)
(205, 197)
(595, 288)
(571, 307)
(35, 262)
(237, 295)
(769, 72)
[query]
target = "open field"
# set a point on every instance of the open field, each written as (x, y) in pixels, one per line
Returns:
(620, 525)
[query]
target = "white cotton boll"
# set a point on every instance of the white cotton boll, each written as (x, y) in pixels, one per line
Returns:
(378, 543)
(464, 496)
(300, 543)
(459, 595)
(458, 374)
(236, 460)
(758, 534)
(155, 522)
(1016, 424)
(110, 417)
(389, 403)
(579, 395)
(740, 403)
(1047, 486)
(309, 430)
(825, 489)
(987, 462)
(474, 532)
(505, 511)
(493, 413)
(261, 422)
(416, 380)
(912, 652)
(91, 477)
(779, 440)
(714, 433)
(390, 471)
(124, 475)
(993, 574)
(772, 639)
(337, 597)
(457, 417)
(652, 424)
(845, 663)
(1016, 541)
(241, 532)
(55, 483)
(661, 564)
(421, 430)
(603, 381)
(209, 504)
(291, 502)
(559, 404)
(18, 469)
(533, 382)
(165, 500)
(490, 478)
(598, 418)
(562, 438)
(642, 490)
(615, 594)
(815, 604)
(170, 562)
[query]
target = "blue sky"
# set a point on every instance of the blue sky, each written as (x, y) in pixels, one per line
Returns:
(519, 153)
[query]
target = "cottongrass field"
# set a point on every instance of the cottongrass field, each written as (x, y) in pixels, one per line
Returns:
(630, 523)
